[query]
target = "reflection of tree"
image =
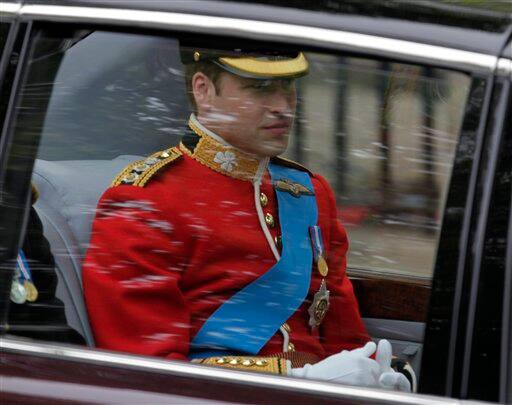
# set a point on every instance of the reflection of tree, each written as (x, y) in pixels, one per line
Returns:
(297, 152)
(386, 89)
(428, 142)
(416, 81)
(340, 130)
(428, 126)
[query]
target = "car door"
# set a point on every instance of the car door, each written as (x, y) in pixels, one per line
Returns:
(505, 376)
(52, 128)
(505, 390)
(472, 310)
(12, 35)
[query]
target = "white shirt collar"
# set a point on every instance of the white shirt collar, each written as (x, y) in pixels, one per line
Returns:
(262, 162)
(218, 138)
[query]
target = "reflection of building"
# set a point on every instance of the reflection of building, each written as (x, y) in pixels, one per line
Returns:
(384, 135)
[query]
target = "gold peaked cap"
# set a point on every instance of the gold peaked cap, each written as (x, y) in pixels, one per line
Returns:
(267, 68)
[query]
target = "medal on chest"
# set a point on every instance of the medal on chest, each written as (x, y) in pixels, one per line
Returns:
(18, 292)
(22, 287)
(318, 309)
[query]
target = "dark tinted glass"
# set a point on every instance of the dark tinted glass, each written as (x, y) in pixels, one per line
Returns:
(484, 378)
(447, 282)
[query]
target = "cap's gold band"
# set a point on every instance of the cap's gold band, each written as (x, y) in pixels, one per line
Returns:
(269, 68)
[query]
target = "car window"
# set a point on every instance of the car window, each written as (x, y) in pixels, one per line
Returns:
(140, 205)
(383, 134)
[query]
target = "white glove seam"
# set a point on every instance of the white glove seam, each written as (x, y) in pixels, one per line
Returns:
(341, 375)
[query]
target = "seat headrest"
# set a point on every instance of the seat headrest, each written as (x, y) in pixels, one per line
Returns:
(73, 188)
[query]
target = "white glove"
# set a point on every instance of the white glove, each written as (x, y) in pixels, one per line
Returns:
(347, 367)
(389, 379)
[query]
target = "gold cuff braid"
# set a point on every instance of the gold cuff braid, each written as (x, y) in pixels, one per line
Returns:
(272, 365)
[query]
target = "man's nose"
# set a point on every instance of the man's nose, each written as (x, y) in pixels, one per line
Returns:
(280, 102)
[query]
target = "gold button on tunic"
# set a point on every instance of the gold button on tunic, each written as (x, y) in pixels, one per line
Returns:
(269, 219)
(278, 241)
(263, 200)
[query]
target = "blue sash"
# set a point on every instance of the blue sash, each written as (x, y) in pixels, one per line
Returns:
(244, 323)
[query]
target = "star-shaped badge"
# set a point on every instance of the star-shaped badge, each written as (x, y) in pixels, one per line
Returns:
(318, 309)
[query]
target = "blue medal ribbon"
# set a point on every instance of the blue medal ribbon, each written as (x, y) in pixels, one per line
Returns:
(245, 323)
(23, 267)
(316, 240)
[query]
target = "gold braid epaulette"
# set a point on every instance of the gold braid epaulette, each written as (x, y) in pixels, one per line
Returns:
(272, 365)
(289, 163)
(140, 172)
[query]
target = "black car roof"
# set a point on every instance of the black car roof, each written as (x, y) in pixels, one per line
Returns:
(446, 23)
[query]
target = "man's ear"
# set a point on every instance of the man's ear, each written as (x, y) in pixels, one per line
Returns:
(203, 90)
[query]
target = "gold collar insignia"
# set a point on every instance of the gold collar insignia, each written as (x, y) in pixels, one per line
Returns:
(221, 158)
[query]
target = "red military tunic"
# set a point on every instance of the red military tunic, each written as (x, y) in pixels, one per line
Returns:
(168, 249)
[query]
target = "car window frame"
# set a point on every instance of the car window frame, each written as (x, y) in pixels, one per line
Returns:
(30, 16)
(506, 345)
(12, 63)
(496, 136)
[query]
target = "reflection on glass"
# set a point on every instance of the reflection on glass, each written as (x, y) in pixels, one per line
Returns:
(384, 135)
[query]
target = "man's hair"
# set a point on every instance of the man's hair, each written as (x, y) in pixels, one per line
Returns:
(209, 69)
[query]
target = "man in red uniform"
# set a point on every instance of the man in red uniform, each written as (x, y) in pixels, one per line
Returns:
(220, 252)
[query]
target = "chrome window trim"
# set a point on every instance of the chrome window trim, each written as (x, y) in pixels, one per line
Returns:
(308, 36)
(9, 8)
(504, 67)
(105, 358)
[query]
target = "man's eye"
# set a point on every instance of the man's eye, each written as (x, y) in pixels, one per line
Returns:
(259, 86)
(269, 85)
